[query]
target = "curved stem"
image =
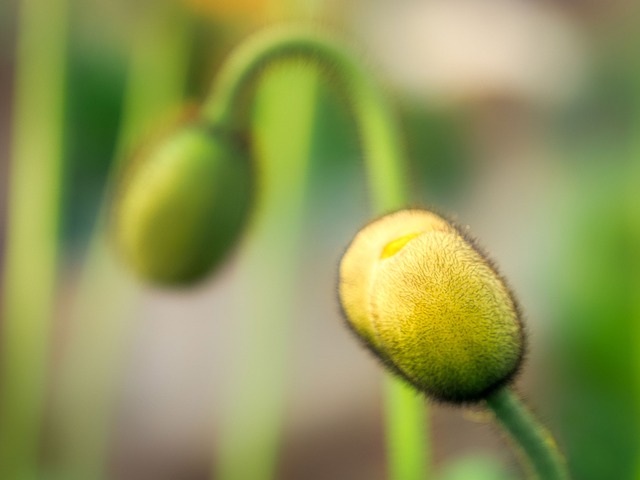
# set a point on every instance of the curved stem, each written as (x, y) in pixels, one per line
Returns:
(535, 440)
(379, 131)
(386, 172)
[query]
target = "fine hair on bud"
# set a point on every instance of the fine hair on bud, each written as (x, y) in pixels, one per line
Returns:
(426, 300)
(182, 205)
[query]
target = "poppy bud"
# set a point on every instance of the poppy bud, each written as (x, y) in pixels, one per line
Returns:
(431, 306)
(182, 206)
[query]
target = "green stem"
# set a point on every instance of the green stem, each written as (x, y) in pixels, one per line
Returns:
(407, 445)
(32, 230)
(101, 320)
(379, 131)
(386, 172)
(535, 440)
(253, 413)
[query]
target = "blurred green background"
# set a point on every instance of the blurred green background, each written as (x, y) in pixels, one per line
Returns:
(520, 118)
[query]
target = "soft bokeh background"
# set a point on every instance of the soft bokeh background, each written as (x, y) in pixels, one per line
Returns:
(521, 119)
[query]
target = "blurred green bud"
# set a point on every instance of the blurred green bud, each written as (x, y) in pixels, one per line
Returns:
(182, 205)
(431, 306)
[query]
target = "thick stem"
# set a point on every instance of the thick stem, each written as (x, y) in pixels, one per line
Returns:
(100, 320)
(536, 442)
(253, 406)
(32, 231)
(386, 173)
(407, 445)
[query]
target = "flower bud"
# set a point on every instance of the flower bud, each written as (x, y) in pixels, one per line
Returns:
(182, 206)
(431, 306)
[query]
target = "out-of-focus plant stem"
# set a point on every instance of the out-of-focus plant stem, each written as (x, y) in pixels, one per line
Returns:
(101, 320)
(253, 428)
(406, 420)
(32, 231)
(253, 417)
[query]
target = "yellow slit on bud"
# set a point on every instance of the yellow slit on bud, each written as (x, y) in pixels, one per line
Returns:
(394, 246)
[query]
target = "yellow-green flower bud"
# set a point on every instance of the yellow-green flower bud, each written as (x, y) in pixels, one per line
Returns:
(431, 306)
(182, 206)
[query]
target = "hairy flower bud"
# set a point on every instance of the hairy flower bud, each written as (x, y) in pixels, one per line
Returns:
(431, 306)
(182, 206)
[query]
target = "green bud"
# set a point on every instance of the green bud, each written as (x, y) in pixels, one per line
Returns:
(182, 206)
(431, 306)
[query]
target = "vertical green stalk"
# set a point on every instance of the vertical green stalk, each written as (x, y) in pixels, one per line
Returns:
(282, 151)
(100, 318)
(251, 432)
(407, 445)
(32, 231)
(537, 444)
(386, 164)
(633, 212)
(633, 201)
